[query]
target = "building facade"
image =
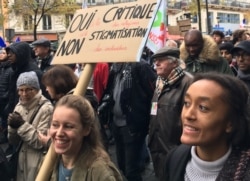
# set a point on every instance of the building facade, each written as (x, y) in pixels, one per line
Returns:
(225, 15)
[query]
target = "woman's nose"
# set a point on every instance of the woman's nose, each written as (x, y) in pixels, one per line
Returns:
(60, 131)
(188, 113)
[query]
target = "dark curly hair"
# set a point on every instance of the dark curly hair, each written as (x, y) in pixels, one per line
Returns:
(220, 33)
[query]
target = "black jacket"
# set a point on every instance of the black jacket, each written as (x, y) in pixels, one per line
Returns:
(5, 170)
(45, 62)
(136, 102)
(165, 126)
(6, 75)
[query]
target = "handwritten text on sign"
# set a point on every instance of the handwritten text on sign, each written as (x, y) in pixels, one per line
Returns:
(114, 33)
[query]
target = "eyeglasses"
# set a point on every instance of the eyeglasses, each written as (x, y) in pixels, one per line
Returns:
(27, 90)
(243, 55)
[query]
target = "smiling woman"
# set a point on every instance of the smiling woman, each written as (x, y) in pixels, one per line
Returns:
(76, 139)
(215, 128)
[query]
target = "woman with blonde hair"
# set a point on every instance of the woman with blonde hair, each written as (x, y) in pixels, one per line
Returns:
(76, 140)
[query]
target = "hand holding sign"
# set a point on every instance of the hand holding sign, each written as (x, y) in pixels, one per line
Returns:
(89, 42)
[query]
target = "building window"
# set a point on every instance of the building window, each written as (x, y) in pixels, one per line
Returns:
(109, 1)
(68, 18)
(195, 18)
(91, 2)
(229, 18)
(47, 22)
(27, 21)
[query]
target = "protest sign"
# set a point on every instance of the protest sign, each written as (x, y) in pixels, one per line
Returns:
(115, 33)
(112, 33)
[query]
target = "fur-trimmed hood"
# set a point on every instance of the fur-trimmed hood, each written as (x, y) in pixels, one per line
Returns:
(210, 51)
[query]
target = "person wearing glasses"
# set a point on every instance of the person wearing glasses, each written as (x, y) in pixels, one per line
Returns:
(30, 116)
(172, 82)
(19, 56)
(241, 52)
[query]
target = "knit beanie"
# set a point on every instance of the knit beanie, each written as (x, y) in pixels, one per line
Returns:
(29, 79)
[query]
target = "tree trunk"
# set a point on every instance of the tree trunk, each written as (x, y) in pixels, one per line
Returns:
(34, 32)
(35, 25)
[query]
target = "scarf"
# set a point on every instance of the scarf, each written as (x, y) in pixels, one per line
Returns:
(126, 86)
(175, 75)
(236, 167)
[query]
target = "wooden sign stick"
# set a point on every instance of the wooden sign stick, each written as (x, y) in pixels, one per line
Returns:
(50, 158)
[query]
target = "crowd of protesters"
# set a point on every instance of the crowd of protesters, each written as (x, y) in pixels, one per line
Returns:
(184, 107)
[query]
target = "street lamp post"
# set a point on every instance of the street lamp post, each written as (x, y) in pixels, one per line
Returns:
(199, 14)
(218, 21)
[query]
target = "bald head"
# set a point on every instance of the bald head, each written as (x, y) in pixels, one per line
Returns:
(194, 42)
(194, 34)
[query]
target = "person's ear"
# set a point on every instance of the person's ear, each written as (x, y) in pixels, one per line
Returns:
(175, 63)
(86, 131)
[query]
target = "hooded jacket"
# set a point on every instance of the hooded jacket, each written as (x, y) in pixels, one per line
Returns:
(208, 60)
(6, 96)
(23, 63)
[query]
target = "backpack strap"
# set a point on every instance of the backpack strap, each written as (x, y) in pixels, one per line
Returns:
(176, 163)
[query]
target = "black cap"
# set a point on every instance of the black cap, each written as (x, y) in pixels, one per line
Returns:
(243, 45)
(167, 51)
(42, 42)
